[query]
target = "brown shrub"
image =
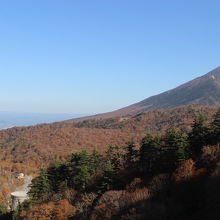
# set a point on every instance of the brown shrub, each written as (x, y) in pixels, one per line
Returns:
(60, 210)
(113, 202)
(158, 183)
(210, 155)
(185, 171)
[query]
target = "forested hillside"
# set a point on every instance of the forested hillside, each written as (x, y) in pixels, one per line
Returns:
(27, 149)
(174, 175)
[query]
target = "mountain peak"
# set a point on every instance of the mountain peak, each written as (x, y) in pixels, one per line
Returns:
(214, 72)
(204, 91)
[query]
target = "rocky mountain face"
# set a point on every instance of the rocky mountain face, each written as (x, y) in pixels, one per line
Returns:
(204, 90)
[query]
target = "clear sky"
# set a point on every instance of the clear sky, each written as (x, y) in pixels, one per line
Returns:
(90, 56)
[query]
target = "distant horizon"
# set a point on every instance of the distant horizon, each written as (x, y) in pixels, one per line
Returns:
(43, 113)
(11, 119)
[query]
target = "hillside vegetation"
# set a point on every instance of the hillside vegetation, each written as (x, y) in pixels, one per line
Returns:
(174, 175)
(27, 149)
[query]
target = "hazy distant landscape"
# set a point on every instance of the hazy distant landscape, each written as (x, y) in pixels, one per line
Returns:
(11, 119)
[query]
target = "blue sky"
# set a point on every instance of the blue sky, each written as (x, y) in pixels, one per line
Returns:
(90, 56)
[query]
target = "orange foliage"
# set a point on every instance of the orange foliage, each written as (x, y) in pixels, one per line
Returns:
(60, 210)
(63, 210)
(184, 171)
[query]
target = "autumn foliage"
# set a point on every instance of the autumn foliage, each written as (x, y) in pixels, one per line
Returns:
(97, 170)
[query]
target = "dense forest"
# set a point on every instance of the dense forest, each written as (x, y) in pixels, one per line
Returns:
(172, 175)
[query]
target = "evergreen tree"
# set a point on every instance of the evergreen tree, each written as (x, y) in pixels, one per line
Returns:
(83, 169)
(39, 186)
(215, 128)
(58, 175)
(116, 155)
(199, 136)
(175, 149)
(150, 153)
(107, 177)
(131, 155)
(96, 160)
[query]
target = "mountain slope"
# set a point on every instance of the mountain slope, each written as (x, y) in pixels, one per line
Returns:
(204, 90)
